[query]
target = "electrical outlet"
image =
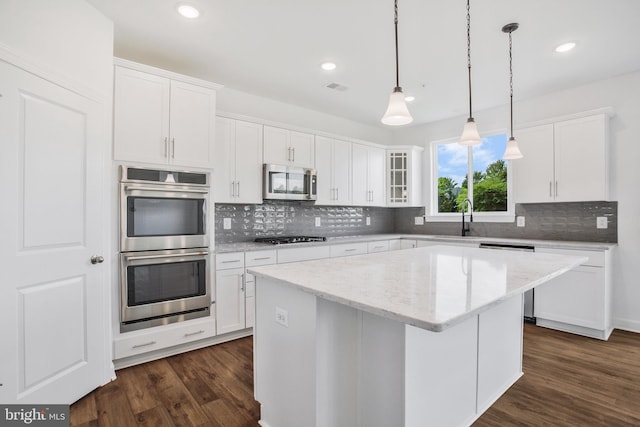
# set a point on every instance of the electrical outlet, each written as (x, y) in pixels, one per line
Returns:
(520, 221)
(601, 222)
(368, 220)
(419, 220)
(226, 223)
(282, 317)
(318, 221)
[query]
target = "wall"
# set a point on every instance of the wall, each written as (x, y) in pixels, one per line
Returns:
(252, 106)
(623, 94)
(275, 218)
(67, 38)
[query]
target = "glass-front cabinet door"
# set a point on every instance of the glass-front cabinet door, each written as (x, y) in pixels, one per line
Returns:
(404, 176)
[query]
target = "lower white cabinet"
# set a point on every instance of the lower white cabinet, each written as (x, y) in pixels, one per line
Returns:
(230, 300)
(378, 246)
(254, 259)
(347, 249)
(578, 301)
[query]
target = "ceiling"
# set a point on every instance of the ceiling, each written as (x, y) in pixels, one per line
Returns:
(274, 48)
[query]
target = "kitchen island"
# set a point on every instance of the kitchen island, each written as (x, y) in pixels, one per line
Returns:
(417, 337)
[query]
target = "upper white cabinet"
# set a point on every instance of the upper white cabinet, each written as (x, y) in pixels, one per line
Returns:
(162, 120)
(368, 175)
(333, 164)
(404, 176)
(238, 162)
(287, 147)
(564, 161)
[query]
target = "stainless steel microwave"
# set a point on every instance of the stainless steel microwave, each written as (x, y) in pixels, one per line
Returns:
(289, 183)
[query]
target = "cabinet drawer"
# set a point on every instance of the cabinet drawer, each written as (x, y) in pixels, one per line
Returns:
(348, 249)
(380, 246)
(303, 254)
(596, 258)
(229, 260)
(255, 258)
(161, 337)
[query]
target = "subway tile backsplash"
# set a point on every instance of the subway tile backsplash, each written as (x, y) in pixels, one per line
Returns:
(275, 218)
(549, 221)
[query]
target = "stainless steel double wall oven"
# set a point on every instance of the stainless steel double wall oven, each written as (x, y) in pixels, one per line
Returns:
(164, 246)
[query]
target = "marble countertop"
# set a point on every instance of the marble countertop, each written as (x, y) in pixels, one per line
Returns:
(433, 287)
(253, 246)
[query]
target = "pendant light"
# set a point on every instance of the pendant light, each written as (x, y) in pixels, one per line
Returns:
(397, 112)
(470, 135)
(512, 151)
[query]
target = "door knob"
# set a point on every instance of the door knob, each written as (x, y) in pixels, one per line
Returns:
(97, 259)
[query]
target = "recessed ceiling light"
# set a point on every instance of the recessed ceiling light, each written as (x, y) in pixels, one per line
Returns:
(565, 47)
(409, 98)
(188, 11)
(328, 66)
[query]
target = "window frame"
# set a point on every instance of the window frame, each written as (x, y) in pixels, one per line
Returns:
(435, 216)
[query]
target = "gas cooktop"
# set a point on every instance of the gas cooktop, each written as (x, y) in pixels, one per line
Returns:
(277, 240)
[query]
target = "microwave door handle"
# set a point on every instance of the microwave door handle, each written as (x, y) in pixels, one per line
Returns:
(133, 258)
(174, 190)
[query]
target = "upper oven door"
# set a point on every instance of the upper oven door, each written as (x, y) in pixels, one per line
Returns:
(154, 217)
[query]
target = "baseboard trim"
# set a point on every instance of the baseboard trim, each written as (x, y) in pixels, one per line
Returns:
(627, 325)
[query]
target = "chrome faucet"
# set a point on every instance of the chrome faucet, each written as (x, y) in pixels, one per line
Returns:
(466, 229)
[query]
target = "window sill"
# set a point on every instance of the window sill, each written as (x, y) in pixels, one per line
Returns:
(477, 217)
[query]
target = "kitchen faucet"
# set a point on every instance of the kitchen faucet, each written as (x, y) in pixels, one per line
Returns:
(466, 229)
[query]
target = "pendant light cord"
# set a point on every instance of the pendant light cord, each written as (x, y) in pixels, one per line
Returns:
(469, 54)
(395, 23)
(511, 82)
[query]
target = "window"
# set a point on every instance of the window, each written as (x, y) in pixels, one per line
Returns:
(489, 187)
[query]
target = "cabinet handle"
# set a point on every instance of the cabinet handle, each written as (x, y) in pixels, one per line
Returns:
(550, 184)
(233, 189)
(556, 188)
(173, 148)
(238, 192)
(293, 150)
(144, 345)
(190, 334)
(337, 194)
(166, 146)
(242, 282)
(350, 250)
(262, 258)
(230, 261)
(288, 154)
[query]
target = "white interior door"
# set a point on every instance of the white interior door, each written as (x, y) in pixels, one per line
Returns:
(54, 317)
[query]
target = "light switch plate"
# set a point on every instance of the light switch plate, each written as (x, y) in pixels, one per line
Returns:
(226, 223)
(419, 220)
(601, 222)
(282, 317)
(318, 221)
(520, 221)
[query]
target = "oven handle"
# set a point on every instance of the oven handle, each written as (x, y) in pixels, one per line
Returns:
(132, 258)
(173, 190)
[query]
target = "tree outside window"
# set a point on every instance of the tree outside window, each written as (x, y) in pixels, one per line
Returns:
(489, 187)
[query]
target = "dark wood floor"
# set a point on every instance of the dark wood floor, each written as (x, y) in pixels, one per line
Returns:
(569, 381)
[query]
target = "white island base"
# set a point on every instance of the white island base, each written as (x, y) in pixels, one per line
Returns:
(333, 365)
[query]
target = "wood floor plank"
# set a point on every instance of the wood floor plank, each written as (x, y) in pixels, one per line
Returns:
(568, 381)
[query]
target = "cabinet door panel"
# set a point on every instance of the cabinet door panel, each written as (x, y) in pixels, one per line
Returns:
(580, 159)
(141, 117)
(533, 177)
(342, 171)
(324, 167)
(377, 181)
(276, 146)
(302, 146)
(230, 300)
(224, 164)
(192, 125)
(359, 174)
(248, 155)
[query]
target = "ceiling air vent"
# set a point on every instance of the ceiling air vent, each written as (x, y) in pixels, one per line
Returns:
(336, 86)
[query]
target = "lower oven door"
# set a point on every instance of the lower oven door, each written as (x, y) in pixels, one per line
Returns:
(159, 287)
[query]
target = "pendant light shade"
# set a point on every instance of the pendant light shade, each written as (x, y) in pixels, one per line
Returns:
(397, 112)
(470, 135)
(512, 152)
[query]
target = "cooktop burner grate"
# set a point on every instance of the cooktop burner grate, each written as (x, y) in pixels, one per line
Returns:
(278, 240)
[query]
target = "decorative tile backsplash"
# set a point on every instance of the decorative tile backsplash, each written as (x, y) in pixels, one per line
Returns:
(275, 218)
(575, 221)
(548, 221)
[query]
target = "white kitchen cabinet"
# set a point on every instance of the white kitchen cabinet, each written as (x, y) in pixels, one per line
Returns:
(404, 176)
(333, 165)
(578, 301)
(378, 246)
(230, 292)
(348, 249)
(238, 162)
(306, 253)
(564, 161)
(253, 259)
(368, 175)
(162, 121)
(403, 244)
(288, 147)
